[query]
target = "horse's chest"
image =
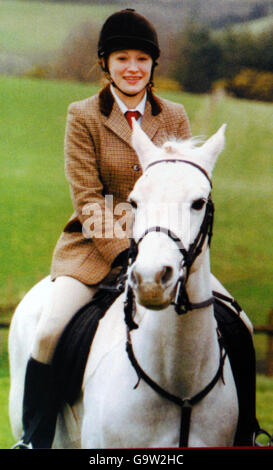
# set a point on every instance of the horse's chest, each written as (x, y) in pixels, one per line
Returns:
(125, 416)
(120, 414)
(133, 418)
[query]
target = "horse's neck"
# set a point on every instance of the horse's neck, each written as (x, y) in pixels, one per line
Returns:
(180, 352)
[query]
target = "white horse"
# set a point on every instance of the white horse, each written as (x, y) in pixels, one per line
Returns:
(180, 353)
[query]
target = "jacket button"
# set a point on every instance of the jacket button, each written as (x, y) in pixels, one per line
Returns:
(136, 168)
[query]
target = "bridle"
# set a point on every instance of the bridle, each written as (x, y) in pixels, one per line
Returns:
(181, 301)
(182, 306)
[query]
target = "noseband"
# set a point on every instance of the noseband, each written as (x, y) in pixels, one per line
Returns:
(181, 301)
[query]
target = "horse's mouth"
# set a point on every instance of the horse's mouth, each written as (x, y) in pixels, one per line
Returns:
(155, 306)
(153, 298)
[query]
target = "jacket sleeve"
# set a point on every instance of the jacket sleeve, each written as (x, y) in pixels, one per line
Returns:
(86, 187)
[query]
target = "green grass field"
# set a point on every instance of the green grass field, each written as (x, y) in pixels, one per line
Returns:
(36, 203)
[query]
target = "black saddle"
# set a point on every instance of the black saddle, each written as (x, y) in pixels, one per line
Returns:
(73, 348)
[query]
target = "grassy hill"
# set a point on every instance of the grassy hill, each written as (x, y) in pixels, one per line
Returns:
(36, 201)
(257, 26)
(36, 28)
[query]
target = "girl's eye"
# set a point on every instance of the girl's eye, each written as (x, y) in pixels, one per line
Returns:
(198, 204)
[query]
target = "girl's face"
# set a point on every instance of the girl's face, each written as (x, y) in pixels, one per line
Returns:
(130, 70)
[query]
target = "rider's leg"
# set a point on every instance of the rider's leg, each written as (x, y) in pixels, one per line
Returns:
(39, 403)
(68, 296)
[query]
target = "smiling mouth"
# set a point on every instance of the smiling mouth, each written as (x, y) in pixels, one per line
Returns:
(132, 80)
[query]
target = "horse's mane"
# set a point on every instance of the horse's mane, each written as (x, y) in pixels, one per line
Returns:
(184, 147)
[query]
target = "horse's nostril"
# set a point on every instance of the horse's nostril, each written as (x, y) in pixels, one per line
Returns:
(166, 274)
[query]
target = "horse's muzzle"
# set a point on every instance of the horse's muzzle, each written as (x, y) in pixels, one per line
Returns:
(153, 291)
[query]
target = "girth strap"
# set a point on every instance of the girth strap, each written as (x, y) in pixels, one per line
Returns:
(185, 404)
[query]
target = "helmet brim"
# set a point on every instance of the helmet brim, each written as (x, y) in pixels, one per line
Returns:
(118, 43)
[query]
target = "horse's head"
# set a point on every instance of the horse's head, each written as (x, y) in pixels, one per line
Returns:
(171, 202)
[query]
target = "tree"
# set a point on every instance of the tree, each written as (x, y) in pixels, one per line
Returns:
(78, 57)
(199, 59)
(244, 49)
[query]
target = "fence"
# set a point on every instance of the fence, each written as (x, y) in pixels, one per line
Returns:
(268, 330)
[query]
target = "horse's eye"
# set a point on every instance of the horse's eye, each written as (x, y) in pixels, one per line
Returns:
(198, 204)
(133, 203)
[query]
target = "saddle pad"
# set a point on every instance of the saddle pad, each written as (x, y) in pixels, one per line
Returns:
(73, 348)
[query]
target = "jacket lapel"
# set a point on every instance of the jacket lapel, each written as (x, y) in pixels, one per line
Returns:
(118, 124)
(150, 124)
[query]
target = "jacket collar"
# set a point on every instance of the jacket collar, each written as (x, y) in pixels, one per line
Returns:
(106, 102)
(115, 120)
(140, 107)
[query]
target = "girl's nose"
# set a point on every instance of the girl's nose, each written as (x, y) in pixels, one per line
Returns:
(133, 66)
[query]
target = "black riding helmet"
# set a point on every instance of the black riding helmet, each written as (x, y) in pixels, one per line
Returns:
(127, 29)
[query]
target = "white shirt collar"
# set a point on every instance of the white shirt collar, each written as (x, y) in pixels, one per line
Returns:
(140, 107)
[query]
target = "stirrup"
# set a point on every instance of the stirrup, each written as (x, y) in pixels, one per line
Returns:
(22, 445)
(259, 433)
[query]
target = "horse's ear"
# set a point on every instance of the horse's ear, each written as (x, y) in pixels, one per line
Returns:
(142, 145)
(214, 146)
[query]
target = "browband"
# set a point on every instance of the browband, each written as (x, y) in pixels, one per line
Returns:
(176, 160)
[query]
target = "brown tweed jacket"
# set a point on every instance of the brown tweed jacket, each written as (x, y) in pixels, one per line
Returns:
(99, 161)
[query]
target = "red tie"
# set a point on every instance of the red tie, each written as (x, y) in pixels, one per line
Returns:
(132, 114)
